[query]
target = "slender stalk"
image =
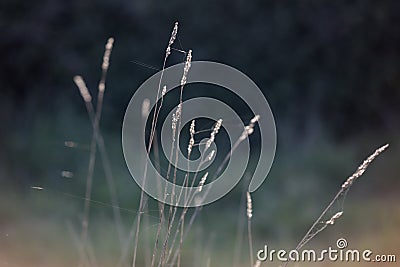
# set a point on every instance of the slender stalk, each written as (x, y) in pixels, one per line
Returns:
(246, 132)
(153, 128)
(179, 121)
(241, 224)
(95, 117)
(314, 230)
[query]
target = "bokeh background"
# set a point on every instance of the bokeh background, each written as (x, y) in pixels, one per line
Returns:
(329, 69)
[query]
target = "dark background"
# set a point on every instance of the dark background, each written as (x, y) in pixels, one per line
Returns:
(329, 69)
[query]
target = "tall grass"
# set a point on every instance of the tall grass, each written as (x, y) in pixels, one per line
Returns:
(174, 224)
(97, 140)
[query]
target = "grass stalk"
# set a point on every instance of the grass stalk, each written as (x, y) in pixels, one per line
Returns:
(319, 225)
(153, 129)
(95, 117)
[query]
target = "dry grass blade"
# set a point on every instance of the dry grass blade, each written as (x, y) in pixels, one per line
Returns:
(97, 139)
(319, 225)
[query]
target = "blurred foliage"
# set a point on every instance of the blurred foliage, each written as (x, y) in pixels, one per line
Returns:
(320, 63)
(329, 69)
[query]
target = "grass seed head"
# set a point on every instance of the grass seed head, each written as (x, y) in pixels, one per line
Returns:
(249, 206)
